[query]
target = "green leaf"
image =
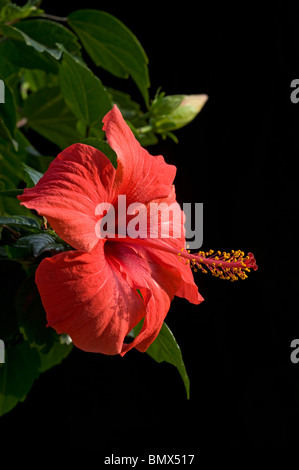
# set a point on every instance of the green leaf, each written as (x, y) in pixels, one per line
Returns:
(8, 116)
(128, 108)
(83, 91)
(11, 193)
(11, 158)
(8, 69)
(9, 204)
(33, 175)
(16, 53)
(39, 243)
(165, 348)
(50, 33)
(40, 162)
(4, 3)
(11, 175)
(48, 115)
(17, 375)
(143, 134)
(32, 317)
(19, 35)
(11, 11)
(34, 80)
(21, 221)
(55, 356)
(111, 45)
(24, 239)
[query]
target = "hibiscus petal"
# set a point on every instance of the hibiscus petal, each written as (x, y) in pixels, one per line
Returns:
(77, 180)
(85, 296)
(172, 228)
(139, 175)
(187, 288)
(156, 281)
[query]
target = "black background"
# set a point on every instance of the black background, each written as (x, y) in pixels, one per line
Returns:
(239, 158)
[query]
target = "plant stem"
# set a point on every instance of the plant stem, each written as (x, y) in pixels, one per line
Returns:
(54, 17)
(142, 117)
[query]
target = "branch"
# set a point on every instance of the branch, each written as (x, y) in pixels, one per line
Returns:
(54, 17)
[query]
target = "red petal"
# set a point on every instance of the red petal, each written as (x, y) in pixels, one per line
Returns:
(77, 180)
(156, 281)
(141, 176)
(187, 288)
(87, 298)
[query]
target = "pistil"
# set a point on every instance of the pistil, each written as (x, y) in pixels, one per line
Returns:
(230, 266)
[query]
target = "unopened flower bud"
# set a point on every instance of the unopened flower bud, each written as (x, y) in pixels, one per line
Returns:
(172, 112)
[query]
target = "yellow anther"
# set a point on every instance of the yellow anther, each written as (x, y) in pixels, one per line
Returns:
(233, 265)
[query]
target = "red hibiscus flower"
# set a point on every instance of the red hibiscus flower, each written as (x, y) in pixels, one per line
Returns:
(99, 291)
